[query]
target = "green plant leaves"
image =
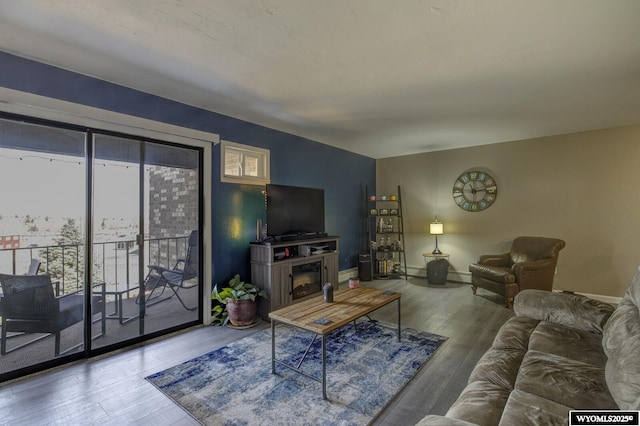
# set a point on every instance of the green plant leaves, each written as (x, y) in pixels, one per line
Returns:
(219, 315)
(236, 290)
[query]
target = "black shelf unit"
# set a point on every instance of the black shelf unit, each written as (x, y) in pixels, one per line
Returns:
(385, 227)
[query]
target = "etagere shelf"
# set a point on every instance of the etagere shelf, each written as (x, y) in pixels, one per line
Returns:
(385, 231)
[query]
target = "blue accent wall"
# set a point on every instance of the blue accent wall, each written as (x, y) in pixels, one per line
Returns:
(236, 208)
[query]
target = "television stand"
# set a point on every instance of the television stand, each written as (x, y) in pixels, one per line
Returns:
(274, 265)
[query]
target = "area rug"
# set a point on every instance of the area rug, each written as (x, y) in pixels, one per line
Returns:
(366, 368)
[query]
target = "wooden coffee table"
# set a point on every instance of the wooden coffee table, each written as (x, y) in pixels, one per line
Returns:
(322, 318)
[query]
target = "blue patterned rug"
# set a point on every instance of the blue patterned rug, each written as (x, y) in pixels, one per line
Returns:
(234, 385)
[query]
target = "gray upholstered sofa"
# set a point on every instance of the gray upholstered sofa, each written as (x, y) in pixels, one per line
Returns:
(560, 352)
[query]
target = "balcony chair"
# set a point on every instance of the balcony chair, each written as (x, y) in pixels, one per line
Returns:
(530, 263)
(159, 278)
(34, 266)
(30, 306)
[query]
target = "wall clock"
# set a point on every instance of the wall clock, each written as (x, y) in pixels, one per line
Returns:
(474, 191)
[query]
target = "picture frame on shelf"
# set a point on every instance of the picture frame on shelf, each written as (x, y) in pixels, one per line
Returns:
(373, 212)
(393, 212)
(383, 212)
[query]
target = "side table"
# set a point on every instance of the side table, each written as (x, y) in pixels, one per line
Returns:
(437, 267)
(117, 306)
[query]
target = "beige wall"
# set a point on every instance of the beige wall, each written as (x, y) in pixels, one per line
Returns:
(583, 188)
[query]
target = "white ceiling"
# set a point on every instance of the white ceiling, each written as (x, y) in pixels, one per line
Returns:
(379, 78)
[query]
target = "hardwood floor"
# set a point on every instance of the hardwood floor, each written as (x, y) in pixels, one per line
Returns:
(111, 389)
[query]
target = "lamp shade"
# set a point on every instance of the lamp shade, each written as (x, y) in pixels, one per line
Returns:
(436, 228)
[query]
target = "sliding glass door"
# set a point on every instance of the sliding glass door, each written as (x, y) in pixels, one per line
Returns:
(100, 239)
(43, 243)
(146, 209)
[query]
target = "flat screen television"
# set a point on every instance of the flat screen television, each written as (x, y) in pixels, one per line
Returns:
(294, 210)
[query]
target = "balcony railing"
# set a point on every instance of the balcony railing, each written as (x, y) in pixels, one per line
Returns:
(114, 262)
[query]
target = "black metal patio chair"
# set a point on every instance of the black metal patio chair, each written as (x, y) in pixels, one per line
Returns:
(159, 278)
(29, 305)
(34, 266)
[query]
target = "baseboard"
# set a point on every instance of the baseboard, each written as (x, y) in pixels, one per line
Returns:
(343, 276)
(464, 277)
(412, 271)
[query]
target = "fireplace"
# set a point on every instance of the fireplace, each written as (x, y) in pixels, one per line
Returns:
(306, 279)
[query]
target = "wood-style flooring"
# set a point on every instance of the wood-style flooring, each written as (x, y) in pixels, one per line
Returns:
(111, 389)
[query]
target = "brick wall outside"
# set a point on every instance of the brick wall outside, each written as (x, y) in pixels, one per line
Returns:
(173, 210)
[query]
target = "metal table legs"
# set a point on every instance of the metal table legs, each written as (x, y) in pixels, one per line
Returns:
(398, 320)
(275, 361)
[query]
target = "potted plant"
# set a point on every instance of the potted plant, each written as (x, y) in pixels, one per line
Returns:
(236, 303)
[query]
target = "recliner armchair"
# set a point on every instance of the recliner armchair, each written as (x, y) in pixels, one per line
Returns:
(530, 263)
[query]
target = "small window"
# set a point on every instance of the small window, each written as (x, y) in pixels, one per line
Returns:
(244, 164)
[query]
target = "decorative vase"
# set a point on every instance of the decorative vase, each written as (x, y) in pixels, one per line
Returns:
(241, 312)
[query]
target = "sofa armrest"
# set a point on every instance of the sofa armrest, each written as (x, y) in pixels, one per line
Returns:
(569, 310)
(501, 259)
(434, 420)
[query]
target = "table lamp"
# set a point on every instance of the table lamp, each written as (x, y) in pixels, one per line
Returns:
(436, 228)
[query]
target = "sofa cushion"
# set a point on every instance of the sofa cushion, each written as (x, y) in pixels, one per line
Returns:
(564, 381)
(524, 409)
(435, 420)
(621, 343)
(498, 366)
(514, 334)
(569, 343)
(480, 403)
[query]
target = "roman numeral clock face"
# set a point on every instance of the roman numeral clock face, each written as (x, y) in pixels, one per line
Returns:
(474, 191)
